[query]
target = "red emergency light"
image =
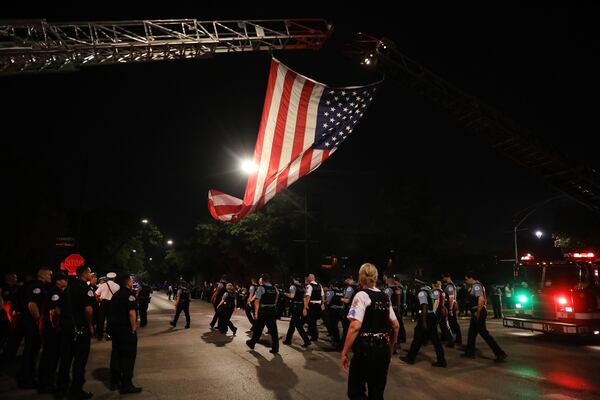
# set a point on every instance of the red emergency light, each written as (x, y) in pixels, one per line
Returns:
(588, 254)
(527, 257)
(562, 300)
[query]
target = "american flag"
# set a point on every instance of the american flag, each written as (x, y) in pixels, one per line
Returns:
(303, 123)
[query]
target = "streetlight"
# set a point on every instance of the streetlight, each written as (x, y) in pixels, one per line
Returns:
(144, 221)
(248, 167)
(169, 242)
(134, 251)
(150, 259)
(539, 234)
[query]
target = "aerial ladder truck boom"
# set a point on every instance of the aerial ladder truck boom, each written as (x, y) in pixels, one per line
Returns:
(36, 46)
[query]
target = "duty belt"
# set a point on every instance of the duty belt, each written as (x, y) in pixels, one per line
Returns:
(268, 305)
(315, 301)
(297, 302)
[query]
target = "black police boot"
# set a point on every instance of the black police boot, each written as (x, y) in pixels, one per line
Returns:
(306, 344)
(234, 330)
(130, 390)
(287, 342)
(113, 385)
(250, 344)
(274, 351)
(172, 324)
(501, 357)
(187, 327)
(439, 363)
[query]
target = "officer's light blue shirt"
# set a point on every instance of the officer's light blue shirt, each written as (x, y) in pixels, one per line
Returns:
(348, 292)
(329, 295)
(477, 289)
(389, 291)
(292, 289)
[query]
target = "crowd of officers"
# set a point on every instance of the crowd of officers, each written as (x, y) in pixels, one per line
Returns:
(371, 318)
(55, 316)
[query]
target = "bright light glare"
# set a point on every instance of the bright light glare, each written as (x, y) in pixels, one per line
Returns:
(569, 309)
(518, 305)
(523, 299)
(169, 242)
(249, 166)
(539, 234)
(562, 300)
(144, 221)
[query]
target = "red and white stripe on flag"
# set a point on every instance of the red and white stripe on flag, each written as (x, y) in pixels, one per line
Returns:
(284, 150)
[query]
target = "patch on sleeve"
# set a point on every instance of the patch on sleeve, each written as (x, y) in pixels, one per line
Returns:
(90, 293)
(37, 290)
(352, 313)
(422, 295)
(131, 298)
(54, 297)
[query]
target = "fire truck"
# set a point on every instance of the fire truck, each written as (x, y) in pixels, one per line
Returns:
(558, 297)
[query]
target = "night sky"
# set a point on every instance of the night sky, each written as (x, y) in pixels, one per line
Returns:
(153, 138)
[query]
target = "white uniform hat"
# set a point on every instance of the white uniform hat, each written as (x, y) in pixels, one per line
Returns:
(111, 275)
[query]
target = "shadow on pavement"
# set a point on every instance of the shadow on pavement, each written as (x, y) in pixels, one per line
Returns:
(102, 375)
(217, 338)
(168, 330)
(285, 380)
(315, 361)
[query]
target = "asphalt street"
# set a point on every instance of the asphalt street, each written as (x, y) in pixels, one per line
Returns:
(198, 363)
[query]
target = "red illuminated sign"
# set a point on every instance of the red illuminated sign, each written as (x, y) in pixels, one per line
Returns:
(72, 262)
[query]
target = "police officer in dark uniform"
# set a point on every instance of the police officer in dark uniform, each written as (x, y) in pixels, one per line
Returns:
(122, 320)
(32, 306)
(7, 304)
(50, 334)
(93, 284)
(216, 298)
(336, 308)
(349, 293)
(265, 312)
(76, 321)
(372, 320)
(477, 305)
(394, 291)
(144, 297)
(313, 306)
(441, 312)
(296, 296)
(426, 328)
(225, 310)
(250, 301)
(182, 303)
(452, 306)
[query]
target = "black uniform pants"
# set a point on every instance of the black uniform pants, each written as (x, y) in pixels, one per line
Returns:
(297, 323)
(423, 332)
(49, 358)
(266, 317)
(143, 307)
(74, 353)
(15, 337)
(454, 326)
(31, 350)
(185, 307)
(402, 333)
(102, 315)
(497, 304)
(476, 326)
(368, 370)
(444, 328)
(224, 320)
(250, 312)
(345, 324)
(314, 313)
(122, 357)
(335, 315)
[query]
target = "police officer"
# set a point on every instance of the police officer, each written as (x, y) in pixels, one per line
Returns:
(452, 306)
(32, 306)
(122, 320)
(144, 297)
(182, 303)
(265, 312)
(93, 284)
(105, 293)
(441, 312)
(336, 308)
(313, 306)
(216, 298)
(477, 305)
(349, 293)
(497, 301)
(7, 306)
(225, 309)
(394, 291)
(250, 301)
(296, 296)
(372, 320)
(426, 328)
(50, 334)
(76, 321)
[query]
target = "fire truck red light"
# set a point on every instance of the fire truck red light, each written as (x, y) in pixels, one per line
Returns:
(562, 300)
(569, 309)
